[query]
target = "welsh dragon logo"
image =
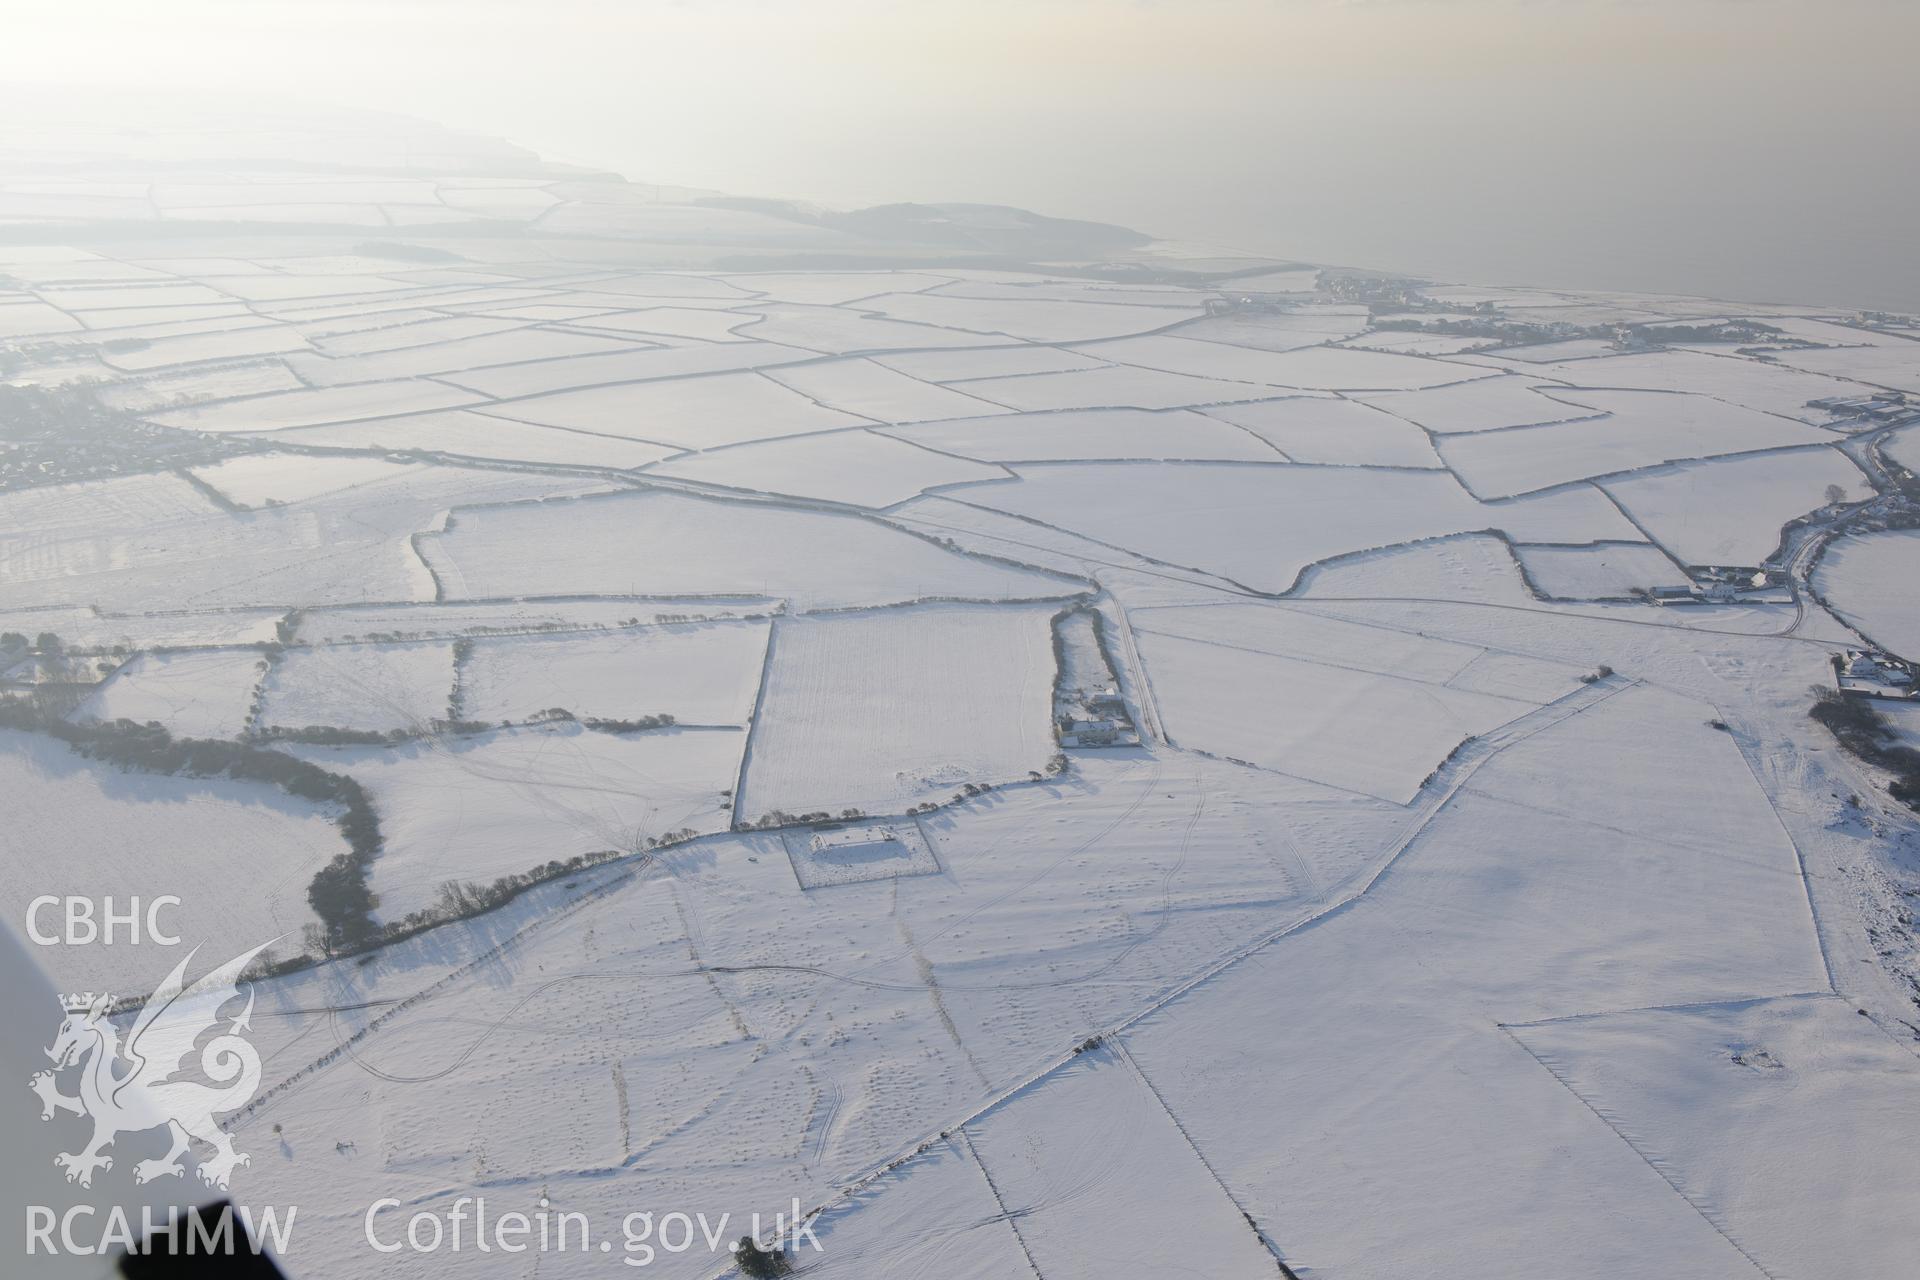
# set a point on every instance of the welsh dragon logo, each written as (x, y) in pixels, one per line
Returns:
(134, 1087)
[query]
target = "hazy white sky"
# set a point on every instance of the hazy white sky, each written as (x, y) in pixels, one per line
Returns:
(1744, 147)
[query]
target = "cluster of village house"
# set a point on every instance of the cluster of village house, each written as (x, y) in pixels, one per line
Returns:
(1724, 584)
(1105, 722)
(1878, 409)
(1872, 674)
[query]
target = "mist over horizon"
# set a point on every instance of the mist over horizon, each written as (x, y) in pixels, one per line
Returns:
(1745, 149)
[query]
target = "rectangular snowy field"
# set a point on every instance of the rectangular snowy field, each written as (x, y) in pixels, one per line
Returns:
(882, 710)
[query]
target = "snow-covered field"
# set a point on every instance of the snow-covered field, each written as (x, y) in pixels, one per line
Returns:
(1262, 525)
(1097, 1173)
(275, 479)
(155, 545)
(1071, 435)
(1490, 404)
(684, 412)
(1230, 690)
(471, 809)
(658, 543)
(309, 408)
(237, 855)
(1456, 912)
(943, 696)
(1636, 429)
(1730, 511)
(1766, 388)
(203, 693)
(698, 673)
(1607, 571)
(1343, 432)
(461, 433)
(1715, 1097)
(858, 468)
(512, 617)
(1869, 580)
(375, 688)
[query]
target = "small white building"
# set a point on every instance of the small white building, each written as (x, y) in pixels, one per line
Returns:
(853, 840)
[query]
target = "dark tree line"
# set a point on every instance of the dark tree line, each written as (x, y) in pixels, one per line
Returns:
(1857, 725)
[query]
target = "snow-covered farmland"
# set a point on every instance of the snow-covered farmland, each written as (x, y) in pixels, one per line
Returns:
(1417, 344)
(1903, 446)
(1090, 1154)
(452, 356)
(855, 331)
(1730, 511)
(463, 433)
(202, 693)
(404, 331)
(1311, 369)
(698, 673)
(1763, 387)
(671, 544)
(511, 617)
(831, 288)
(368, 687)
(1476, 567)
(155, 543)
(1073, 435)
(1262, 525)
(966, 363)
(1604, 571)
(1486, 405)
(1032, 320)
(1868, 580)
(31, 318)
(83, 627)
(690, 412)
(193, 385)
(1112, 387)
(237, 342)
(474, 808)
(1287, 331)
(35, 521)
(941, 697)
(238, 855)
(575, 379)
(1715, 1096)
(1662, 881)
(275, 479)
(1638, 429)
(666, 322)
(878, 393)
(858, 468)
(1313, 720)
(1334, 961)
(879, 1233)
(1302, 632)
(314, 408)
(1339, 432)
